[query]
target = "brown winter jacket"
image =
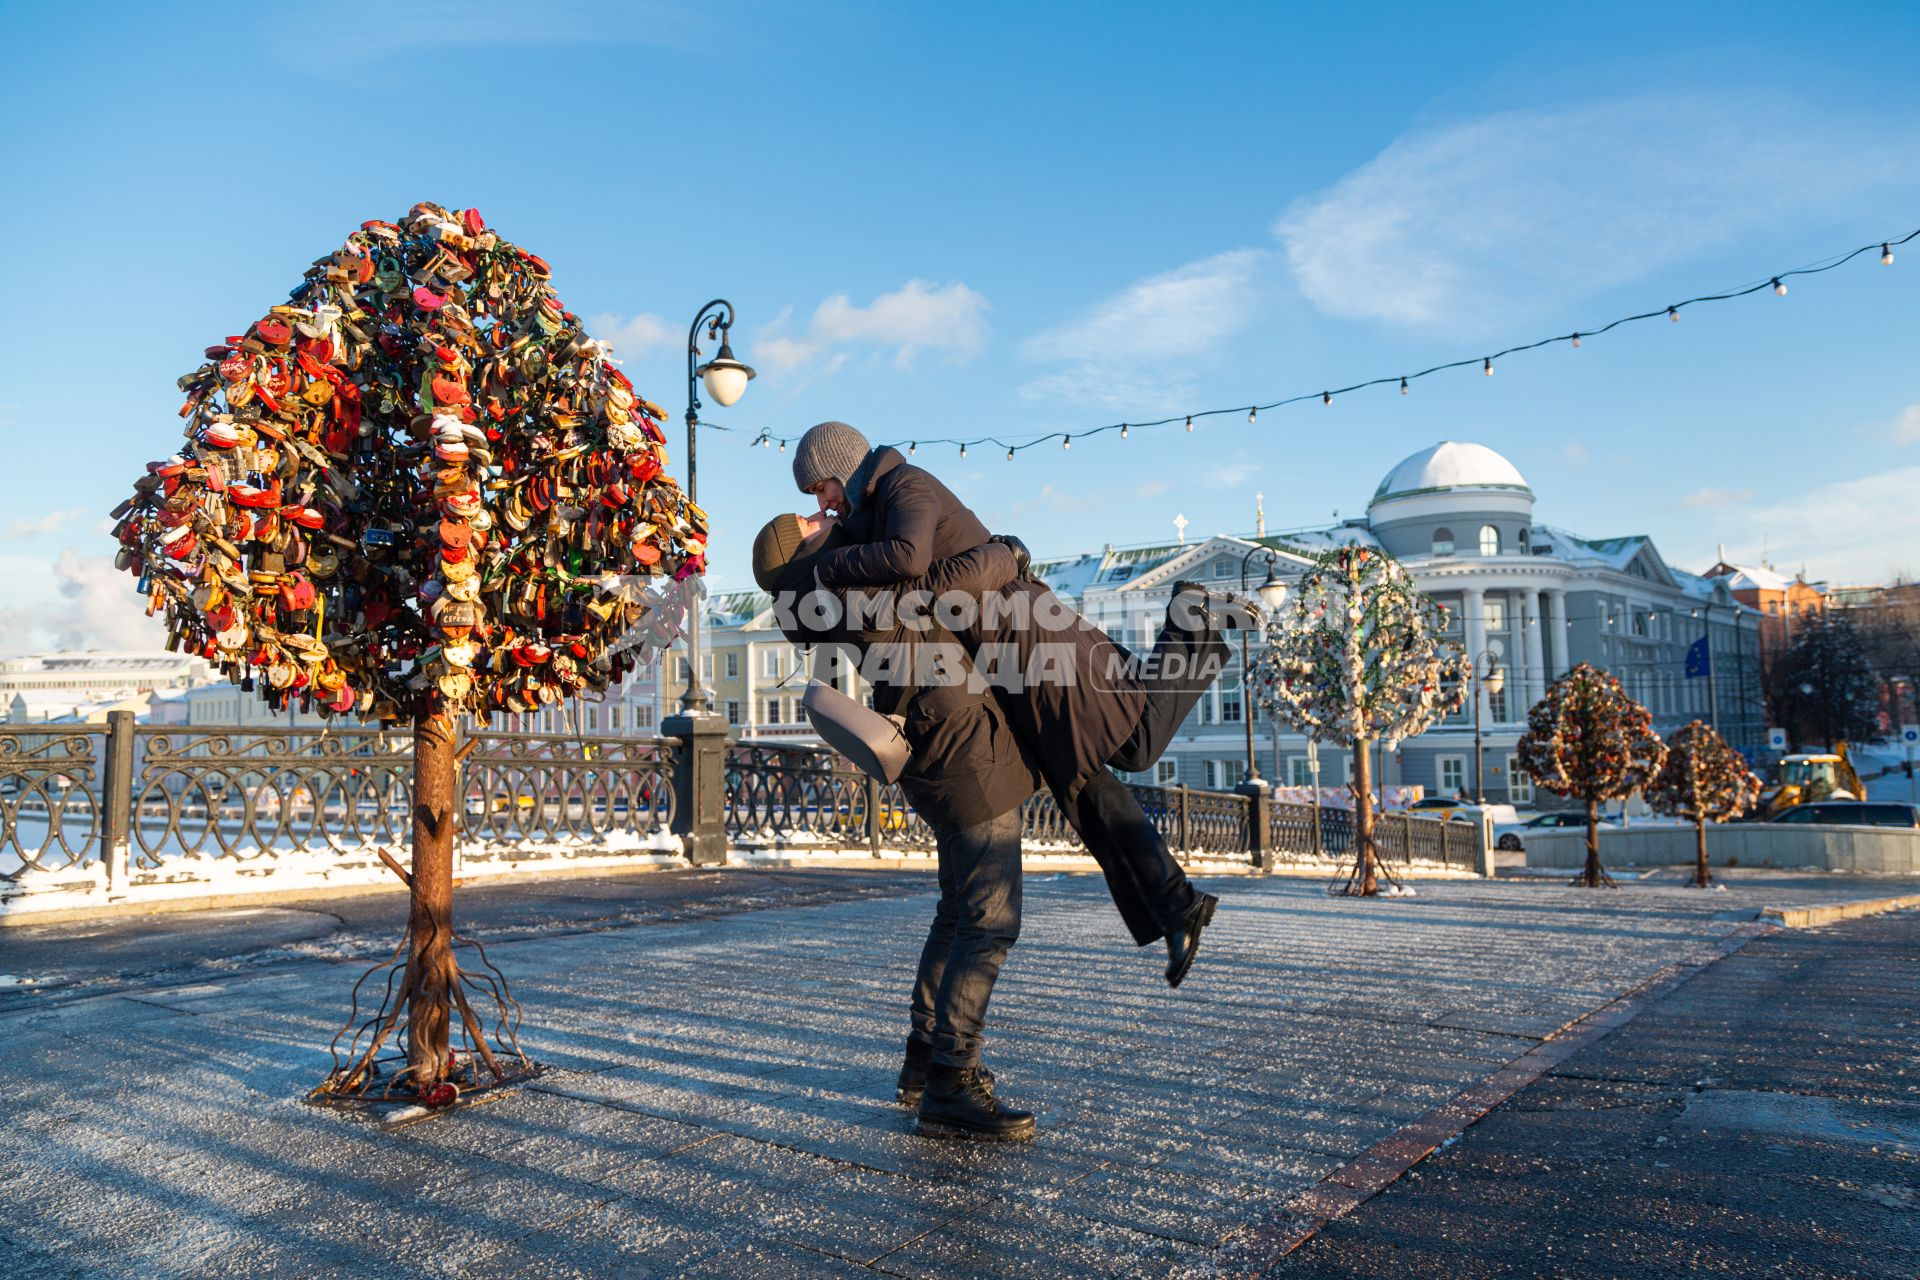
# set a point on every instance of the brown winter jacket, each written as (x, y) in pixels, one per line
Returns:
(1076, 700)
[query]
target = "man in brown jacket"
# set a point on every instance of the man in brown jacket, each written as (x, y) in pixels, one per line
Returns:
(1079, 704)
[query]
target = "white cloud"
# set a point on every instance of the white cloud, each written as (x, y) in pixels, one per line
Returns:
(40, 526)
(1859, 530)
(1230, 475)
(1906, 428)
(1484, 220)
(90, 605)
(1136, 349)
(1576, 454)
(918, 316)
(631, 336)
(1701, 499)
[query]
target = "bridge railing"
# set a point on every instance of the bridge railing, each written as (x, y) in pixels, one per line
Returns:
(123, 802)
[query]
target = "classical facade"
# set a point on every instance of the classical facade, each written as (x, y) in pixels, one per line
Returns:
(1528, 598)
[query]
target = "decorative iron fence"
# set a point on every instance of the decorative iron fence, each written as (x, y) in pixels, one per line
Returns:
(129, 799)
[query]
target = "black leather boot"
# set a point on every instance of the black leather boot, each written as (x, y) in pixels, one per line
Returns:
(913, 1072)
(959, 1103)
(1184, 945)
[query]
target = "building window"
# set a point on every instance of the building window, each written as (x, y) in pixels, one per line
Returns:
(593, 720)
(1223, 568)
(1642, 622)
(1523, 541)
(1443, 541)
(733, 666)
(643, 717)
(770, 662)
(706, 666)
(1223, 775)
(1489, 540)
(770, 711)
(1496, 613)
(1230, 708)
(1166, 773)
(733, 713)
(1453, 775)
(1519, 782)
(1299, 773)
(686, 672)
(613, 717)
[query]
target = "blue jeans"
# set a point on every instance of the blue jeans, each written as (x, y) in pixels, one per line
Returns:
(975, 925)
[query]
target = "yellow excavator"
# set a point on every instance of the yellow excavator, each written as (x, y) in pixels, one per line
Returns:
(1807, 776)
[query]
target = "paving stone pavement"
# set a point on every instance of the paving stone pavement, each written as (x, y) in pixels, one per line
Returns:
(719, 1099)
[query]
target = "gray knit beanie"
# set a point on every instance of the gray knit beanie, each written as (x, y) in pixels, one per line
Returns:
(830, 451)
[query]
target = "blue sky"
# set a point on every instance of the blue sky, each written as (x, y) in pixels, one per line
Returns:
(987, 219)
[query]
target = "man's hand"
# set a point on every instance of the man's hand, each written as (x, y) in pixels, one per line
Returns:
(1022, 558)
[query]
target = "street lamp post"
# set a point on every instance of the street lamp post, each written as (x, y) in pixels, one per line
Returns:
(726, 380)
(1272, 593)
(1491, 681)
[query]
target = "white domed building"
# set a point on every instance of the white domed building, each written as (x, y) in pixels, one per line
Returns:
(1528, 600)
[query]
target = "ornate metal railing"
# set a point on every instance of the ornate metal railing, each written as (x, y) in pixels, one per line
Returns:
(132, 797)
(49, 804)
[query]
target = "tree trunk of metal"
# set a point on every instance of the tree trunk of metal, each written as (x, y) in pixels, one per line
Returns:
(430, 964)
(1590, 875)
(1363, 818)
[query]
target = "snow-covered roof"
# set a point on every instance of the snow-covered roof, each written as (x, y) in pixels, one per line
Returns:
(1451, 464)
(1747, 577)
(731, 608)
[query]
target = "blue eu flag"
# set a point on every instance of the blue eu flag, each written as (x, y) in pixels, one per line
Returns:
(1699, 662)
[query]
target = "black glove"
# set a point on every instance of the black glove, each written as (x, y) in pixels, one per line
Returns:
(1022, 558)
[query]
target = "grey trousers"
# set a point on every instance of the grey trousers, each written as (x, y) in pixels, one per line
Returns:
(975, 925)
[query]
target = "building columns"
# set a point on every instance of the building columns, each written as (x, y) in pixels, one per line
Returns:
(1534, 687)
(1474, 605)
(1556, 625)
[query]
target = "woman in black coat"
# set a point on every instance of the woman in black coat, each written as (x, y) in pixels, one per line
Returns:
(1076, 697)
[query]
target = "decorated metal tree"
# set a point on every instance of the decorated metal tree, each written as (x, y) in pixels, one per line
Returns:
(1356, 658)
(415, 491)
(1589, 740)
(1703, 780)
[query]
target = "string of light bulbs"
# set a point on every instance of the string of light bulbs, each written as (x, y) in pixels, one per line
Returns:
(1013, 445)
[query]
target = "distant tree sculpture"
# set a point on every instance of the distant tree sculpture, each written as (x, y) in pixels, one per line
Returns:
(417, 490)
(1356, 658)
(1589, 740)
(1703, 780)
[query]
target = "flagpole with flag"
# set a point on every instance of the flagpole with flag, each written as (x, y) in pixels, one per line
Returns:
(1700, 663)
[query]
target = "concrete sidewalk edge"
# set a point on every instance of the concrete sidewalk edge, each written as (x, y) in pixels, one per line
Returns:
(1833, 913)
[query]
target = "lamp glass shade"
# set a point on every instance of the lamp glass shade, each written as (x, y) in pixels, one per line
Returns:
(1273, 592)
(1496, 680)
(725, 378)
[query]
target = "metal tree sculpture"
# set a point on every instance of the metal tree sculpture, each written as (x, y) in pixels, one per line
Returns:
(1357, 658)
(414, 491)
(1588, 739)
(1703, 780)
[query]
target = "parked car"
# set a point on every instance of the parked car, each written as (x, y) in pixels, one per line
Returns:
(1852, 813)
(1437, 807)
(1513, 836)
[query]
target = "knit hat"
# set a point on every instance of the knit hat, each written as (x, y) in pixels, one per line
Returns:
(830, 451)
(777, 543)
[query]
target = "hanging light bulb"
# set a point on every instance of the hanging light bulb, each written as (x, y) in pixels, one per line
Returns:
(912, 447)
(963, 451)
(1403, 386)
(1326, 397)
(1673, 314)
(1779, 289)
(783, 446)
(1009, 455)
(1066, 442)
(1486, 366)
(1252, 415)
(1576, 340)
(1189, 422)
(1886, 255)
(1123, 431)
